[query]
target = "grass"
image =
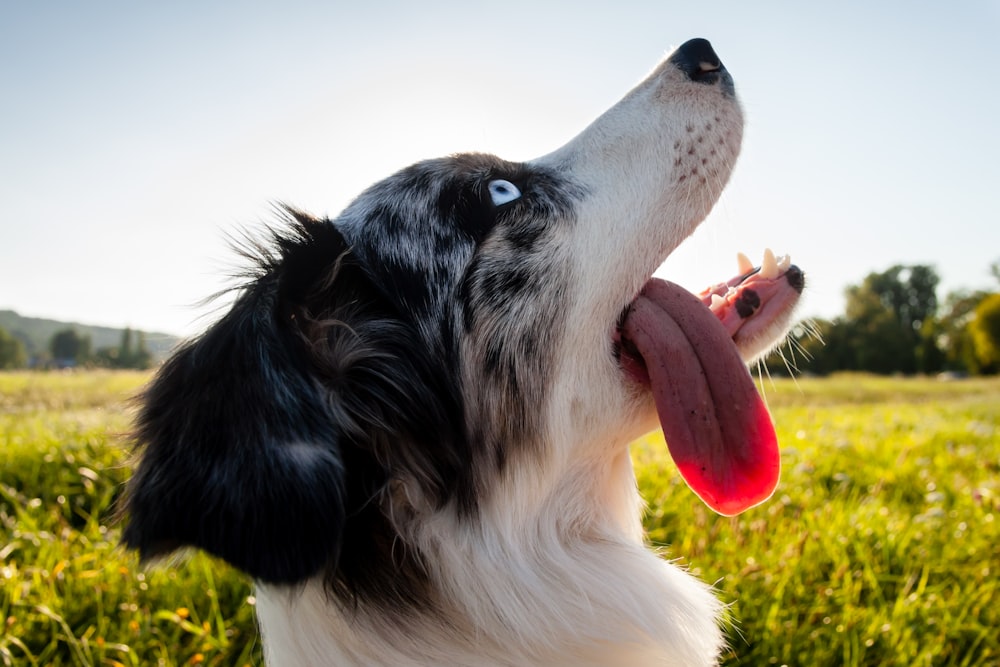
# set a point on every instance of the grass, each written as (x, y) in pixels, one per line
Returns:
(68, 594)
(881, 546)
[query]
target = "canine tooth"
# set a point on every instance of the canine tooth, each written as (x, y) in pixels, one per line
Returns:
(717, 302)
(769, 267)
(743, 263)
(784, 262)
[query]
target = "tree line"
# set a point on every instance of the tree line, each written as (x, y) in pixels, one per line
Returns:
(69, 349)
(893, 323)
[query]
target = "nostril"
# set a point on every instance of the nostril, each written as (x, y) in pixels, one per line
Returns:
(698, 60)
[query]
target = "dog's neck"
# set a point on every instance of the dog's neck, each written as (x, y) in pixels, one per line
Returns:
(548, 588)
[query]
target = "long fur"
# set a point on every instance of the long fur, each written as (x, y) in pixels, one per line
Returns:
(411, 428)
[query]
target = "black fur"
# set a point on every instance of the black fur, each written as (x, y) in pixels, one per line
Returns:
(280, 439)
(218, 423)
(266, 440)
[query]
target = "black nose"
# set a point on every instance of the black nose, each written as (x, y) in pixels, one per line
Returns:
(698, 60)
(796, 278)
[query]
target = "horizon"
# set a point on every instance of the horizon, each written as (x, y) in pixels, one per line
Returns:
(136, 139)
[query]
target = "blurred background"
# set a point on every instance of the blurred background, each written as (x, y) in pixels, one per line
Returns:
(134, 137)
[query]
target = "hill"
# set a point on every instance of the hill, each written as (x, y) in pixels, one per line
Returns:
(36, 333)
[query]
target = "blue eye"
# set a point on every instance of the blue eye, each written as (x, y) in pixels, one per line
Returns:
(503, 192)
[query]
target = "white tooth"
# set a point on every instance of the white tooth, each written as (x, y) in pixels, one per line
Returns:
(717, 302)
(743, 263)
(769, 267)
(784, 262)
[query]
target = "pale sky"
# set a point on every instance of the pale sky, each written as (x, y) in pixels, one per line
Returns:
(135, 136)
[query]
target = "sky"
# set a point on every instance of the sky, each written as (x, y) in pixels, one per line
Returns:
(136, 137)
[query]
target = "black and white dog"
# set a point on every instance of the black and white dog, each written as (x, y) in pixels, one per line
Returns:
(412, 428)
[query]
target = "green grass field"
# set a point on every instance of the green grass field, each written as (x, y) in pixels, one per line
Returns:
(881, 546)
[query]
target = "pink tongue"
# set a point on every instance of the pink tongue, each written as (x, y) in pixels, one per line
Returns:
(716, 425)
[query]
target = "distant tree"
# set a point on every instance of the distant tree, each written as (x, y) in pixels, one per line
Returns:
(12, 351)
(951, 332)
(931, 356)
(833, 351)
(142, 358)
(873, 334)
(125, 349)
(909, 293)
(893, 324)
(69, 346)
(803, 350)
(885, 317)
(985, 332)
(127, 354)
(106, 357)
(888, 327)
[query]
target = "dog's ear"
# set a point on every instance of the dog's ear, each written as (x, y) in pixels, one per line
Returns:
(239, 452)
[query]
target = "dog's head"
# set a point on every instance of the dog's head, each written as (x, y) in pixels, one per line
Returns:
(468, 333)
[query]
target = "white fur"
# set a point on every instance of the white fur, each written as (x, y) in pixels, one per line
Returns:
(555, 571)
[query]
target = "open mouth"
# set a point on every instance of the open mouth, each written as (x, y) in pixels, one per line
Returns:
(750, 304)
(684, 349)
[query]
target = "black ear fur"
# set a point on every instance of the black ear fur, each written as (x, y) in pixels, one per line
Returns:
(240, 455)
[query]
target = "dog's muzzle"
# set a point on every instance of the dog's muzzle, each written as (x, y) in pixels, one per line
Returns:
(698, 60)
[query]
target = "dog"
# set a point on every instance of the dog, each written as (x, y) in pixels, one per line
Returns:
(412, 426)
